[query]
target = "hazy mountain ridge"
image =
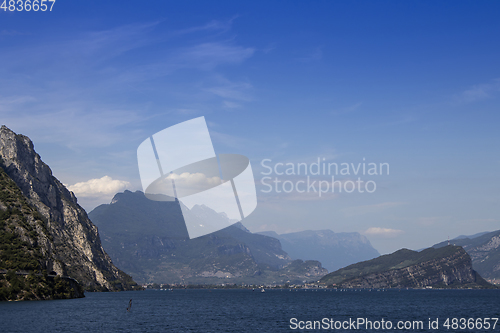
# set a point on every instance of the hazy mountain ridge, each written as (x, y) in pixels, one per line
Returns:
(67, 240)
(333, 250)
(148, 239)
(446, 267)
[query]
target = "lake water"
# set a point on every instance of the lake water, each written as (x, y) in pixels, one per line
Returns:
(252, 311)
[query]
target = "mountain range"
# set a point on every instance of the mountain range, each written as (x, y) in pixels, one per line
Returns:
(148, 239)
(50, 248)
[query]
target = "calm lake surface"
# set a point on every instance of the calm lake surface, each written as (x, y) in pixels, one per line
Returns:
(248, 311)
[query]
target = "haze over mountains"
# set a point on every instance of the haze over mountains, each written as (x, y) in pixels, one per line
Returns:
(43, 229)
(148, 239)
(333, 250)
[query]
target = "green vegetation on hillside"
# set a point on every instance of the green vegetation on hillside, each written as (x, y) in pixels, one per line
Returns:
(35, 286)
(19, 248)
(22, 275)
(43, 227)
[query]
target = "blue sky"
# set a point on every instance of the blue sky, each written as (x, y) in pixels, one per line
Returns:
(412, 84)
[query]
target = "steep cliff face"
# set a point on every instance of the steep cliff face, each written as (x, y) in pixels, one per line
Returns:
(486, 256)
(446, 267)
(70, 245)
(23, 273)
(484, 249)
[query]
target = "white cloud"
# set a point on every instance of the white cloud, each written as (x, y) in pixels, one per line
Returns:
(383, 232)
(104, 186)
(197, 179)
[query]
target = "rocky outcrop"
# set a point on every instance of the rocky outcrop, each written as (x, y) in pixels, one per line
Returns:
(454, 269)
(446, 267)
(70, 244)
(484, 249)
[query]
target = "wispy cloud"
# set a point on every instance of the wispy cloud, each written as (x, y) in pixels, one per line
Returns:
(9, 33)
(238, 91)
(214, 25)
(347, 109)
(313, 56)
(231, 105)
(480, 92)
(15, 100)
(269, 48)
(76, 91)
(78, 54)
(228, 140)
(209, 55)
(206, 57)
(71, 125)
(59, 104)
(383, 232)
(432, 220)
(87, 98)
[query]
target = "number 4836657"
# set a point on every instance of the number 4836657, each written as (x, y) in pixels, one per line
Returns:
(27, 5)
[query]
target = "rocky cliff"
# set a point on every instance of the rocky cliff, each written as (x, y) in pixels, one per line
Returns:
(66, 240)
(484, 249)
(447, 267)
